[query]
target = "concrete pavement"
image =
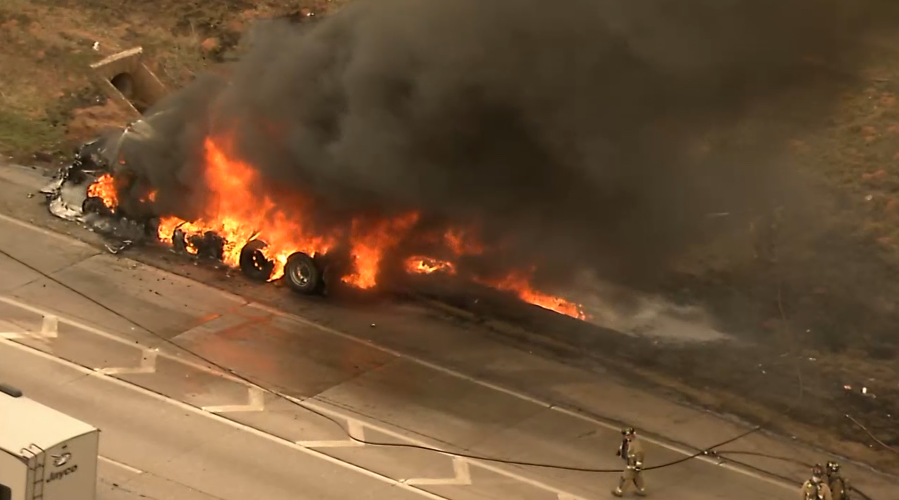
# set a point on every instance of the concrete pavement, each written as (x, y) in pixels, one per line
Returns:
(375, 394)
(166, 449)
(412, 378)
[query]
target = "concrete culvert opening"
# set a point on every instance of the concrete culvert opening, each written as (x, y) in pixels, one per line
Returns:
(124, 83)
(128, 81)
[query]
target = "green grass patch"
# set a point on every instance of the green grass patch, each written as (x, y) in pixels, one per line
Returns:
(22, 135)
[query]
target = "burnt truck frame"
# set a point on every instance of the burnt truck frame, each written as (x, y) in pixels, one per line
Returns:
(67, 197)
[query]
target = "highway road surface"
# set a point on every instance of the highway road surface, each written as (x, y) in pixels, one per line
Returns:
(204, 394)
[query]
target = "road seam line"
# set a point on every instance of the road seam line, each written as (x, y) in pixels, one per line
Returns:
(371, 344)
(354, 428)
(246, 428)
(461, 477)
(147, 365)
(489, 385)
(256, 403)
(47, 232)
(127, 467)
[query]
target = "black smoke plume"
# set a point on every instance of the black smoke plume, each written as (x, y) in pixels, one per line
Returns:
(591, 134)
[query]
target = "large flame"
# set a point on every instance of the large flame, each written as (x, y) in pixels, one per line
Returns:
(368, 246)
(105, 189)
(427, 265)
(519, 284)
(237, 214)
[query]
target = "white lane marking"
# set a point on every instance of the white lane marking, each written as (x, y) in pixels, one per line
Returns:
(572, 413)
(219, 419)
(349, 419)
(121, 340)
(49, 330)
(50, 327)
(437, 449)
(354, 429)
(120, 465)
(462, 476)
(147, 365)
(255, 396)
(46, 232)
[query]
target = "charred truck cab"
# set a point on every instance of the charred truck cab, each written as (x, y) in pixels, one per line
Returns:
(44, 454)
(69, 197)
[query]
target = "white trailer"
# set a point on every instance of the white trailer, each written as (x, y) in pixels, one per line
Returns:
(44, 454)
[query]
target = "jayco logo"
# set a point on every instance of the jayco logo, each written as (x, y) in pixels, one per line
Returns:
(63, 473)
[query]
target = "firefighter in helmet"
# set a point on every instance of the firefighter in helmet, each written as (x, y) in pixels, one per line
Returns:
(631, 452)
(839, 487)
(816, 488)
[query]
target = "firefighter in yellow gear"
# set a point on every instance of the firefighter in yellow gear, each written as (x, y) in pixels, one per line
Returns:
(631, 451)
(839, 487)
(816, 488)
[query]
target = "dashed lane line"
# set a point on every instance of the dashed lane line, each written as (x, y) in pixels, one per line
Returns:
(245, 428)
(352, 422)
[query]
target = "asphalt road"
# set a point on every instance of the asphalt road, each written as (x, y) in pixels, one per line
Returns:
(104, 339)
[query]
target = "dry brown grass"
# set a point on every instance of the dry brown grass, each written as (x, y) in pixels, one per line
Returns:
(47, 44)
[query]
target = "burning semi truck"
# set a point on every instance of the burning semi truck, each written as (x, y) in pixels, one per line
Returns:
(106, 187)
(87, 191)
(44, 454)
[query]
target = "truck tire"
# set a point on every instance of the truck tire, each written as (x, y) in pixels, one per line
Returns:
(253, 263)
(152, 227)
(179, 241)
(302, 275)
(94, 205)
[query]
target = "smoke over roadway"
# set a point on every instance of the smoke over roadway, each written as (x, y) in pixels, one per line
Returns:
(590, 134)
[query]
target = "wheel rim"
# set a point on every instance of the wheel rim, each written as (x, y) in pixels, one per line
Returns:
(260, 263)
(301, 274)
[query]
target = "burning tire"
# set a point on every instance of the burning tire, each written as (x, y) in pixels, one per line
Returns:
(94, 205)
(302, 274)
(253, 263)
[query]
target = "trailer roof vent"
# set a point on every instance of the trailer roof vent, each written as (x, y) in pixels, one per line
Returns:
(10, 390)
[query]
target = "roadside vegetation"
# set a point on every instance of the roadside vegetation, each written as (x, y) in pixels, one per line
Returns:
(831, 296)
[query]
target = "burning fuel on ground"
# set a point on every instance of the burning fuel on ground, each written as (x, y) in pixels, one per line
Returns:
(237, 215)
(501, 142)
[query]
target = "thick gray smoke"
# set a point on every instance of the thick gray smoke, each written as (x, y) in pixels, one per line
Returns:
(584, 134)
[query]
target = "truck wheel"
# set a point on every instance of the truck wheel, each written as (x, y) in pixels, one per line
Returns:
(94, 205)
(302, 274)
(152, 227)
(253, 263)
(179, 241)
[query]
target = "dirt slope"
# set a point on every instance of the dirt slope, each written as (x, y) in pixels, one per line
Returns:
(830, 296)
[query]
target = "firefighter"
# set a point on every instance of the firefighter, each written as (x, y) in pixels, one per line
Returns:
(631, 452)
(816, 488)
(839, 487)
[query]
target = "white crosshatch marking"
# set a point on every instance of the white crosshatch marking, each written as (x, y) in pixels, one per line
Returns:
(361, 425)
(147, 365)
(256, 402)
(462, 476)
(354, 428)
(49, 330)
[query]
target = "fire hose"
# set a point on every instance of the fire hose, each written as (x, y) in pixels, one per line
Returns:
(710, 452)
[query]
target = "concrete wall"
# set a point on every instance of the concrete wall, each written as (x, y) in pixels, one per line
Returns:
(138, 84)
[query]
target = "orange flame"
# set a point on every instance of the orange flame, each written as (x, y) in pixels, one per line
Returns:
(368, 246)
(520, 285)
(238, 213)
(427, 265)
(105, 189)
